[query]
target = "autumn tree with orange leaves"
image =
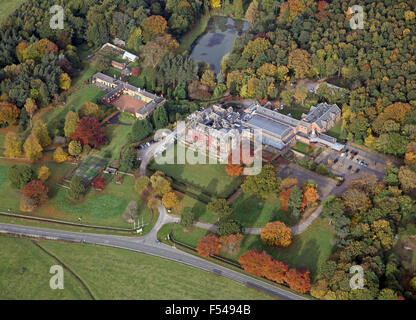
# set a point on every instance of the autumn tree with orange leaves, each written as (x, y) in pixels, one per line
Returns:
(298, 280)
(255, 262)
(276, 234)
(208, 246)
(310, 197)
(276, 271)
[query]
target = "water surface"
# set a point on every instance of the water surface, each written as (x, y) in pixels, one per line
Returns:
(218, 40)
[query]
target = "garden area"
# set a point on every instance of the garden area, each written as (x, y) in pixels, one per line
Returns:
(104, 208)
(208, 179)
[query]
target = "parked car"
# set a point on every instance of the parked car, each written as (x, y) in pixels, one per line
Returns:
(350, 167)
(352, 157)
(336, 160)
(358, 170)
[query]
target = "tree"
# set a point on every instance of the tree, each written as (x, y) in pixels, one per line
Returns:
(220, 207)
(187, 218)
(356, 200)
(128, 158)
(71, 123)
(141, 183)
(32, 148)
(215, 4)
(410, 156)
(160, 184)
(295, 202)
(91, 109)
(37, 191)
(76, 188)
(31, 108)
(208, 79)
(153, 27)
(231, 243)
(99, 184)
(238, 9)
(256, 47)
(276, 234)
(298, 280)
(252, 12)
(9, 114)
(101, 63)
(310, 196)
(301, 93)
(43, 173)
(130, 214)
(64, 81)
(255, 262)
(228, 227)
(276, 271)
(20, 175)
(74, 148)
(89, 132)
(155, 50)
(300, 62)
(40, 130)
(387, 294)
(27, 204)
(286, 96)
(141, 129)
(13, 145)
(407, 179)
(262, 185)
(208, 246)
(60, 155)
(170, 200)
(160, 117)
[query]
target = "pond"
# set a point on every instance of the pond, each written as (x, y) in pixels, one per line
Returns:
(218, 40)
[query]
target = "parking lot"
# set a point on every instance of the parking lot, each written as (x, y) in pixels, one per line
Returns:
(352, 161)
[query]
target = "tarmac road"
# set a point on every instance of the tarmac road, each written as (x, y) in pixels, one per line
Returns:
(157, 249)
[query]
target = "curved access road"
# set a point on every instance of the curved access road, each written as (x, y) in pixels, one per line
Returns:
(156, 249)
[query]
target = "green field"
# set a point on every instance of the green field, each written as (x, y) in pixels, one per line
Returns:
(7, 7)
(255, 213)
(302, 148)
(100, 208)
(117, 135)
(335, 131)
(108, 273)
(308, 250)
(208, 179)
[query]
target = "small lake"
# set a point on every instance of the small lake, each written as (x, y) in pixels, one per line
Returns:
(218, 40)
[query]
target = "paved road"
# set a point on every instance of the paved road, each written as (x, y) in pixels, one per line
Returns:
(160, 250)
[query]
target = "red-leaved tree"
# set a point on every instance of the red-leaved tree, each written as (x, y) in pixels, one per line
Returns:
(208, 246)
(276, 271)
(89, 132)
(255, 262)
(298, 280)
(99, 184)
(37, 191)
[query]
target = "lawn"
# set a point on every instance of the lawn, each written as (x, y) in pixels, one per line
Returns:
(335, 131)
(7, 7)
(210, 179)
(308, 250)
(256, 213)
(302, 148)
(118, 137)
(109, 273)
(25, 273)
(100, 208)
